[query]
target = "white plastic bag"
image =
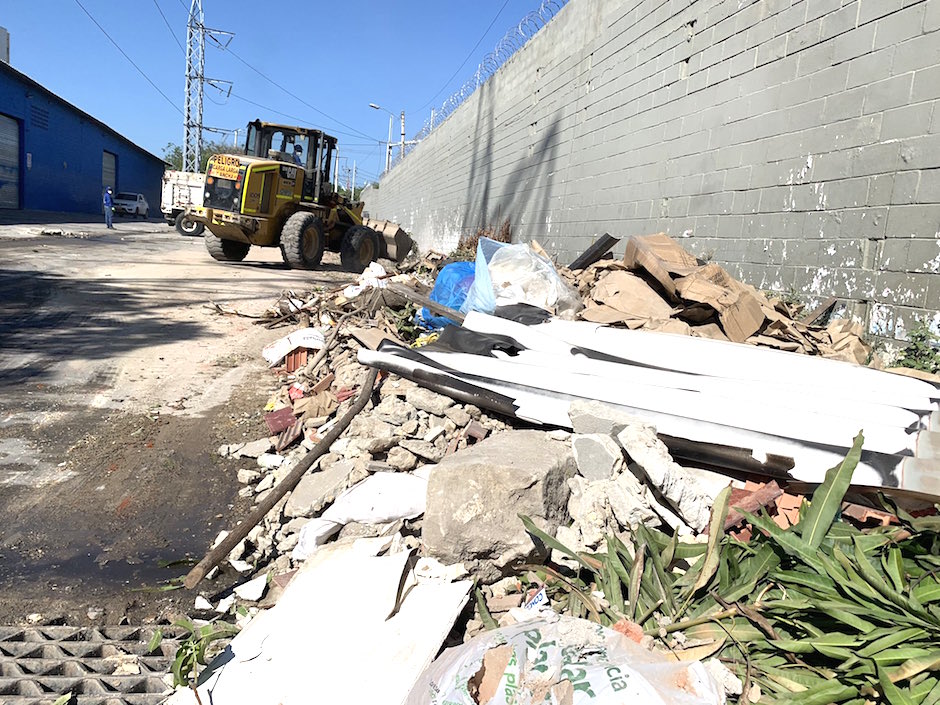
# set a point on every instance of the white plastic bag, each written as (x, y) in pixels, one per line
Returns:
(554, 659)
(512, 274)
(303, 338)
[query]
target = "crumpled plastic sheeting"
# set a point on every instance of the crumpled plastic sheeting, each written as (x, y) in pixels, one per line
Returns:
(513, 274)
(374, 277)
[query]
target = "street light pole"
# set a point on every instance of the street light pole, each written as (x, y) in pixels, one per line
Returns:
(401, 153)
(388, 145)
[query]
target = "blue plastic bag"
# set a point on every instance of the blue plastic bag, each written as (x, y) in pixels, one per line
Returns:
(450, 289)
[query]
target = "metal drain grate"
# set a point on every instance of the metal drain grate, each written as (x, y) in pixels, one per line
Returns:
(99, 666)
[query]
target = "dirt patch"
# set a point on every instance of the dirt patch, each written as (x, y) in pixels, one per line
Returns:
(147, 490)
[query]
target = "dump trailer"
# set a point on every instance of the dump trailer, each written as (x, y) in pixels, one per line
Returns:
(181, 189)
(278, 194)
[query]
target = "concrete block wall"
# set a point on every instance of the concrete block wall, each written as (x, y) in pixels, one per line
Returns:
(796, 142)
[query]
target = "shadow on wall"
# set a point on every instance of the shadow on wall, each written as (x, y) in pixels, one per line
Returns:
(528, 178)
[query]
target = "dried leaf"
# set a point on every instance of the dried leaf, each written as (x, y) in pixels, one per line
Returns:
(716, 531)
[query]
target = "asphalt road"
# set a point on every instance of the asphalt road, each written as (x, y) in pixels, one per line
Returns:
(116, 383)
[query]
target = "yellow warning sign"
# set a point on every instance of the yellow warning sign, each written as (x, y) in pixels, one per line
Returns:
(224, 166)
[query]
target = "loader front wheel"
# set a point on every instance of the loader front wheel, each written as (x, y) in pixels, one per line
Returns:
(359, 247)
(226, 250)
(302, 241)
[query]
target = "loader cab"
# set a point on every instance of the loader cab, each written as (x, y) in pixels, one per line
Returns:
(280, 143)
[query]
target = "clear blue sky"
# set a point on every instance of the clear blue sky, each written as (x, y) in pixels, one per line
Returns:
(397, 53)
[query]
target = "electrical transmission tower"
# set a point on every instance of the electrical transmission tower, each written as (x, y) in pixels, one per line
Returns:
(196, 32)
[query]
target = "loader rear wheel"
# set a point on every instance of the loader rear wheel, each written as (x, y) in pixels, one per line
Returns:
(185, 226)
(226, 250)
(302, 241)
(359, 247)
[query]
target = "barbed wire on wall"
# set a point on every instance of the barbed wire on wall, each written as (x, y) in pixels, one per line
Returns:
(510, 43)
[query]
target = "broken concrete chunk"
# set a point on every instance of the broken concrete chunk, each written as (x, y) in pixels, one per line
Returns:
(266, 483)
(423, 449)
(458, 415)
(430, 569)
(229, 449)
(255, 449)
(286, 545)
(628, 500)
(293, 526)
(506, 586)
(598, 456)
(475, 497)
(269, 461)
(373, 434)
(401, 459)
(394, 411)
(570, 538)
(597, 417)
(316, 490)
(246, 476)
(503, 603)
(253, 590)
(434, 432)
(429, 401)
(225, 604)
(590, 514)
(202, 603)
(680, 486)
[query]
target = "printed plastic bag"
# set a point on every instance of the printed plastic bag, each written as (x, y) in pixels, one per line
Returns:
(513, 274)
(554, 659)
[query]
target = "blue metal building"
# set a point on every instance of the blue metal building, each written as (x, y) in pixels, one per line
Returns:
(56, 157)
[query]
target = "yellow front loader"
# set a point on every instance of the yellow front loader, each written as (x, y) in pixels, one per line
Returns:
(278, 194)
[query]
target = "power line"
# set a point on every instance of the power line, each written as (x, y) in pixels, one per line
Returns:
(166, 22)
(299, 120)
(355, 132)
(297, 97)
(124, 54)
(464, 63)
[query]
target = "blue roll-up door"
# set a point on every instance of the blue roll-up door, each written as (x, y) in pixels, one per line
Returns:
(9, 163)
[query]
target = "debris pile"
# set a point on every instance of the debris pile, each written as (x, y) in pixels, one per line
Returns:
(579, 511)
(660, 286)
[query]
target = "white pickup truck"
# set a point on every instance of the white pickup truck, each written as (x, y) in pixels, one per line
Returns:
(182, 189)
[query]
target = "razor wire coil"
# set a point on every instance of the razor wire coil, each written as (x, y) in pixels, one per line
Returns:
(505, 48)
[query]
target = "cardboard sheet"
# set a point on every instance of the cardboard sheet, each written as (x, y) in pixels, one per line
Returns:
(661, 256)
(739, 311)
(632, 296)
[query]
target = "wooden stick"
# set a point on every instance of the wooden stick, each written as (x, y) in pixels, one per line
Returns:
(432, 306)
(218, 554)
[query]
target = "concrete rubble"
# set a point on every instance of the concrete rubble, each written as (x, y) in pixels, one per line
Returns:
(428, 483)
(476, 495)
